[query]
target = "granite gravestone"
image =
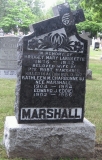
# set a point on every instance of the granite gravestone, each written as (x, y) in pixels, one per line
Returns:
(86, 35)
(52, 71)
(8, 57)
(51, 88)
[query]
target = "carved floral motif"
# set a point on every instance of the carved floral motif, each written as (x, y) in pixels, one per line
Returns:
(56, 42)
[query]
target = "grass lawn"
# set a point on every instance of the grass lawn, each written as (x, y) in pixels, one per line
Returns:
(95, 54)
(93, 105)
(93, 102)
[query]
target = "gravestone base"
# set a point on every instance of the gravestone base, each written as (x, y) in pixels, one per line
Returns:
(89, 74)
(49, 141)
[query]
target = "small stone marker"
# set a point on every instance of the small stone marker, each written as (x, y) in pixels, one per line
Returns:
(97, 45)
(51, 91)
(8, 57)
(52, 71)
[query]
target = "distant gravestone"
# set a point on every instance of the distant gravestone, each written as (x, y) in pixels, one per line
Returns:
(1, 32)
(93, 41)
(86, 35)
(8, 57)
(50, 92)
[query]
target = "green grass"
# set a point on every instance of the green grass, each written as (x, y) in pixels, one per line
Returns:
(93, 105)
(93, 102)
(7, 89)
(95, 54)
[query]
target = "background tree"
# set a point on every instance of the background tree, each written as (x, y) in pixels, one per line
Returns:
(37, 7)
(93, 15)
(21, 13)
(17, 15)
(3, 4)
(95, 6)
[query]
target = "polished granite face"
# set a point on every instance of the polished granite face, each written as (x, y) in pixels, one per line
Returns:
(53, 71)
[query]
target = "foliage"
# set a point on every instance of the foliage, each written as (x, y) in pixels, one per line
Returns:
(3, 4)
(20, 14)
(90, 26)
(74, 4)
(36, 6)
(17, 15)
(48, 13)
(93, 15)
(96, 6)
(92, 23)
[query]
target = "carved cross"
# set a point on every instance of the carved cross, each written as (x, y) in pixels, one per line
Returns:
(64, 18)
(76, 16)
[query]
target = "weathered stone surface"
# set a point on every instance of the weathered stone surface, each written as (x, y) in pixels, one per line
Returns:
(89, 74)
(19, 70)
(8, 56)
(48, 141)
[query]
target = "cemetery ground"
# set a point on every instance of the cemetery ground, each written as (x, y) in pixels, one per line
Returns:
(93, 104)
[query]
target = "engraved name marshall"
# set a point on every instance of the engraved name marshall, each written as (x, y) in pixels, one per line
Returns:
(50, 113)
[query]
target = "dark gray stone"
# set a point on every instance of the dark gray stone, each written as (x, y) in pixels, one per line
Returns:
(49, 141)
(52, 71)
